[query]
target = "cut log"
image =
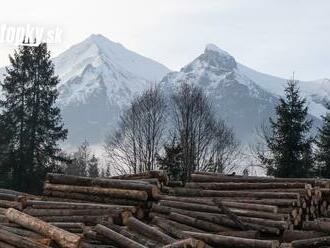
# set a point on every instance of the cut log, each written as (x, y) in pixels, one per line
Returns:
(244, 186)
(82, 219)
(152, 190)
(72, 205)
(241, 234)
(231, 215)
(62, 237)
(11, 204)
(258, 214)
(21, 232)
(90, 198)
(291, 235)
(78, 212)
(216, 193)
(186, 243)
(321, 226)
(132, 235)
(6, 245)
(160, 174)
(310, 243)
(241, 179)
(220, 219)
(149, 231)
(190, 206)
(233, 242)
(18, 241)
(250, 206)
(118, 238)
(201, 224)
(173, 228)
(112, 192)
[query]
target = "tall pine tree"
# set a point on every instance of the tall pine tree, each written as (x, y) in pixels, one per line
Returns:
(323, 144)
(30, 118)
(289, 142)
(93, 168)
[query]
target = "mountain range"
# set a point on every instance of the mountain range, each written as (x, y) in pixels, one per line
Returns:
(99, 78)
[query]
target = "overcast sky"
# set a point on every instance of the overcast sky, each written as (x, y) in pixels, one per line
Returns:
(272, 36)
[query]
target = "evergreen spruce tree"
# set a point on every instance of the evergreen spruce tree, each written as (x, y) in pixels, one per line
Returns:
(93, 169)
(289, 142)
(108, 172)
(172, 161)
(79, 163)
(30, 119)
(323, 144)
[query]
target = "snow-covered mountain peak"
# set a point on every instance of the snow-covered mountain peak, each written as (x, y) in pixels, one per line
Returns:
(214, 48)
(213, 60)
(99, 78)
(97, 50)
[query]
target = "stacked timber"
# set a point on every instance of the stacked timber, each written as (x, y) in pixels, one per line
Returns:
(116, 191)
(213, 210)
(114, 198)
(293, 200)
(157, 177)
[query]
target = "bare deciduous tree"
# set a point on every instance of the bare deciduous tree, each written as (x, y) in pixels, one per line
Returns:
(133, 147)
(207, 144)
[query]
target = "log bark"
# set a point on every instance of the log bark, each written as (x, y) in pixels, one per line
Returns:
(152, 190)
(241, 234)
(216, 193)
(82, 219)
(244, 186)
(321, 226)
(111, 192)
(11, 204)
(220, 219)
(160, 174)
(173, 228)
(309, 243)
(74, 205)
(62, 237)
(18, 241)
(233, 242)
(132, 235)
(201, 224)
(240, 179)
(90, 198)
(186, 243)
(291, 235)
(258, 214)
(6, 245)
(250, 206)
(210, 200)
(118, 238)
(149, 231)
(78, 212)
(190, 206)
(21, 232)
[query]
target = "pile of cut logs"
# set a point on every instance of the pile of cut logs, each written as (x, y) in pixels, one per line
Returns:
(142, 210)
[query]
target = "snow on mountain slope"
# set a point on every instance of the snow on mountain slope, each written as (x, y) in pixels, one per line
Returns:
(243, 97)
(2, 72)
(98, 80)
(100, 77)
(99, 57)
(317, 92)
(236, 98)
